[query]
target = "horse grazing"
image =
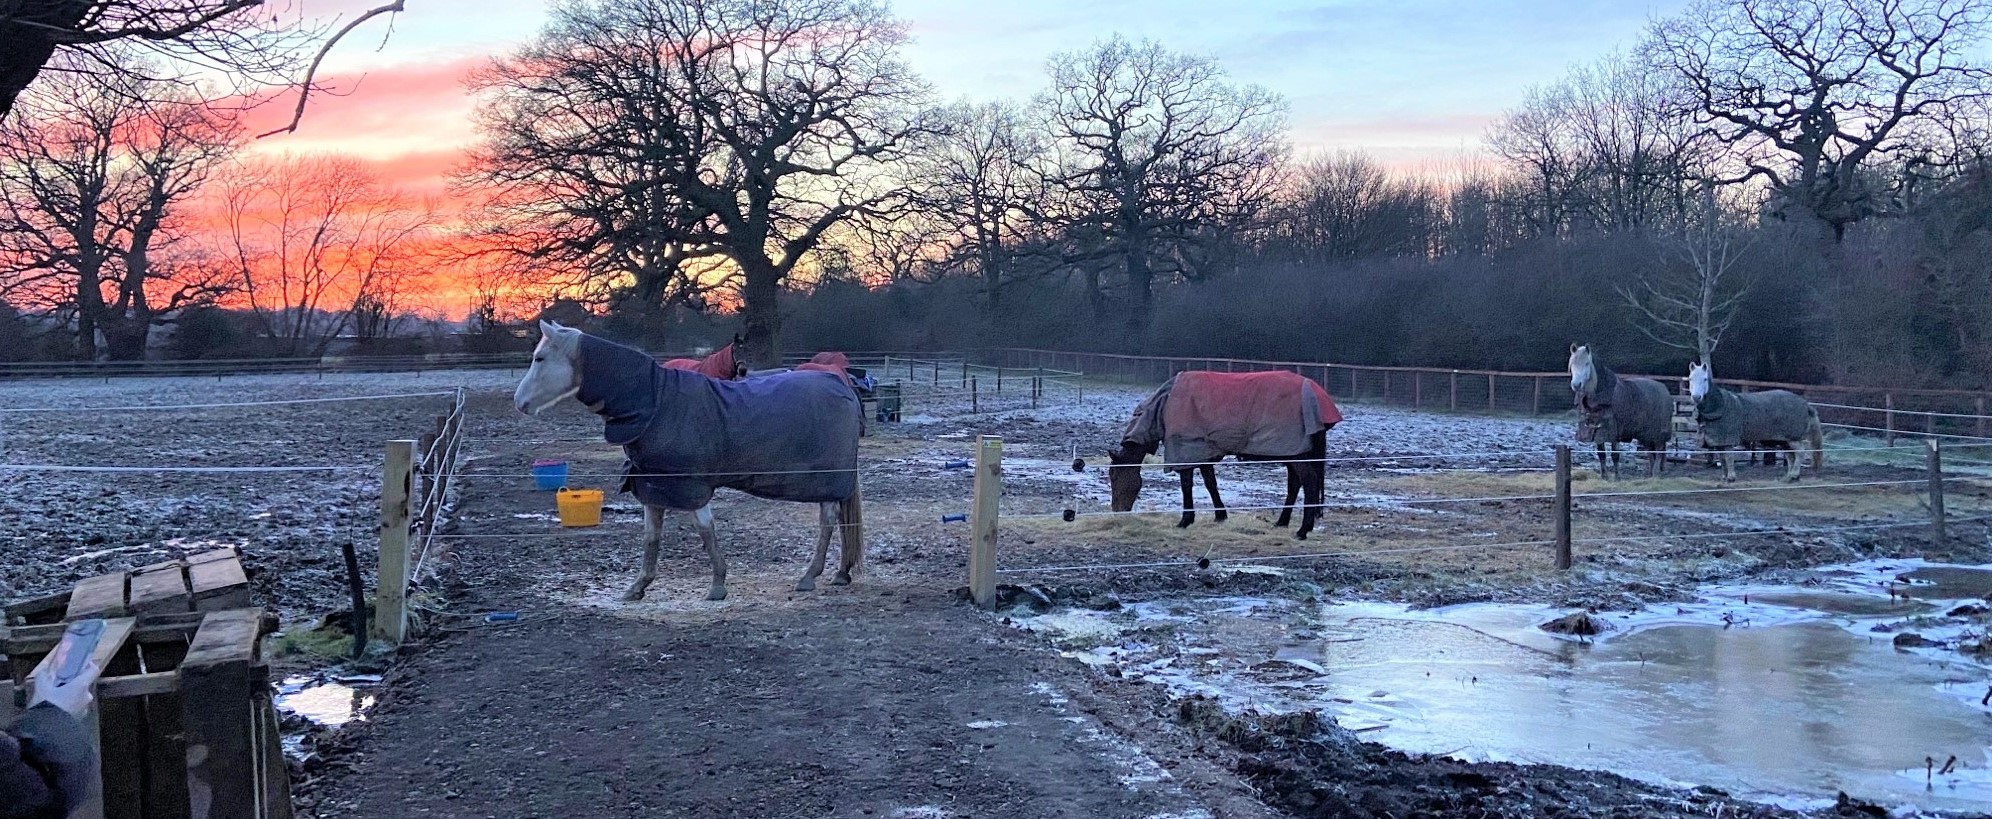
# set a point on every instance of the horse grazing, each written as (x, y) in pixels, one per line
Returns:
(1769, 419)
(1613, 409)
(791, 437)
(723, 364)
(1197, 418)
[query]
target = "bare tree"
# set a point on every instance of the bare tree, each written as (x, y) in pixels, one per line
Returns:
(321, 245)
(1811, 95)
(246, 41)
(94, 182)
(980, 177)
(1345, 207)
(761, 125)
(1689, 303)
(1161, 154)
(1603, 148)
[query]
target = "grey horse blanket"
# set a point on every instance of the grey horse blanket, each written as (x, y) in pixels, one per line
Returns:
(1617, 410)
(687, 435)
(1203, 416)
(1730, 419)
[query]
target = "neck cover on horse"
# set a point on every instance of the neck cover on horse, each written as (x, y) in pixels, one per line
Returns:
(1599, 392)
(1203, 416)
(792, 436)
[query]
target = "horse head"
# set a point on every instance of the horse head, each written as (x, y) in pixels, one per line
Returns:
(1700, 380)
(1124, 473)
(555, 373)
(1583, 367)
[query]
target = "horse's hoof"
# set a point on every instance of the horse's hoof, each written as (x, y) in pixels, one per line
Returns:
(806, 584)
(1186, 521)
(1222, 516)
(1282, 523)
(632, 595)
(1300, 535)
(718, 593)
(841, 580)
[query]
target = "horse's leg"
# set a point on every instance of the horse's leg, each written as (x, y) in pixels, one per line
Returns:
(653, 533)
(826, 520)
(1603, 472)
(702, 519)
(1293, 493)
(1210, 485)
(1313, 478)
(1189, 501)
(1791, 459)
(1728, 466)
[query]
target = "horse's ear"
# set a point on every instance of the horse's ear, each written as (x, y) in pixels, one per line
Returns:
(1573, 348)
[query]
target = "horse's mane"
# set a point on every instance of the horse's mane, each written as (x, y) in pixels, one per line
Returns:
(1603, 384)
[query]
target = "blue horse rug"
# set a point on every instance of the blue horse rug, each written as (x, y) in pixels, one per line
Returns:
(791, 436)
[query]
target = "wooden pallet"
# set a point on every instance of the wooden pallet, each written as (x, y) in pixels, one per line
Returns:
(184, 720)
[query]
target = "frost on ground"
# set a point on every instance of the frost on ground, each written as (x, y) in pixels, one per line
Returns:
(67, 525)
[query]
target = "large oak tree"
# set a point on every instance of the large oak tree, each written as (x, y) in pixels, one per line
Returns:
(631, 135)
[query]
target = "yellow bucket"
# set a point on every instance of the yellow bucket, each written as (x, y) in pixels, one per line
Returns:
(579, 507)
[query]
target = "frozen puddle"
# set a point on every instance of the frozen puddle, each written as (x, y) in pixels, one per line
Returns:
(1783, 693)
(330, 703)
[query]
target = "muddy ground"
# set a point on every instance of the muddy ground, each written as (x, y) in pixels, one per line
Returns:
(890, 698)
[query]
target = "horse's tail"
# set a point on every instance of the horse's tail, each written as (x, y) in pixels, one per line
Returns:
(1814, 429)
(851, 513)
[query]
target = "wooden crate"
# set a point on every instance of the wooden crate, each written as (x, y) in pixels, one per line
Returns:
(185, 723)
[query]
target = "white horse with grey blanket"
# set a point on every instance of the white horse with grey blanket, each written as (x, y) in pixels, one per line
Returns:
(792, 437)
(1730, 419)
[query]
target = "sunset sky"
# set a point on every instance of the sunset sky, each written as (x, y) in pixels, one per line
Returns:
(1414, 82)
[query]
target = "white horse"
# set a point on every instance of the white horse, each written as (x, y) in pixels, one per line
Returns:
(783, 437)
(1766, 419)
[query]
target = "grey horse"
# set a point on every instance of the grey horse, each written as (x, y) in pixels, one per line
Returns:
(791, 437)
(1769, 419)
(1613, 410)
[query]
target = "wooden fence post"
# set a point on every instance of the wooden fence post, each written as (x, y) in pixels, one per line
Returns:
(390, 620)
(1417, 389)
(1386, 386)
(1888, 417)
(975, 395)
(1535, 405)
(1452, 394)
(982, 520)
(1490, 392)
(1562, 511)
(1936, 492)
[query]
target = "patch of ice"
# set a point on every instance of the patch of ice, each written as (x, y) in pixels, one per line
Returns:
(922, 812)
(986, 724)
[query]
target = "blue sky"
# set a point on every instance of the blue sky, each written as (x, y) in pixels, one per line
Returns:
(1413, 82)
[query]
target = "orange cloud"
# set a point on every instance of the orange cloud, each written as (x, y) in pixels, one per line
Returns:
(413, 120)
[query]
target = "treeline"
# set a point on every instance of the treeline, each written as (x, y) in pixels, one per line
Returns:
(1793, 189)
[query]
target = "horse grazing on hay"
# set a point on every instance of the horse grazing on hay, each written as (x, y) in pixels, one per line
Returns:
(791, 437)
(723, 364)
(1769, 419)
(1614, 409)
(1197, 418)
